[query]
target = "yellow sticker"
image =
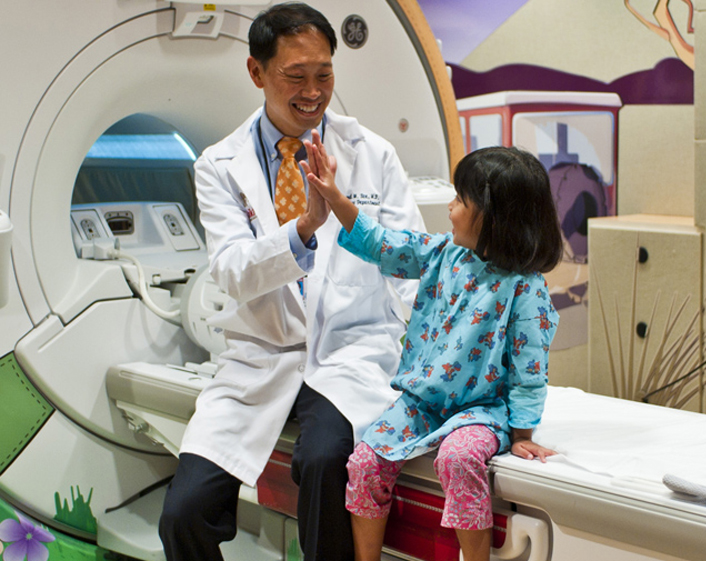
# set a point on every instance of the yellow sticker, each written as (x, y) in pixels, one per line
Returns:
(209, 7)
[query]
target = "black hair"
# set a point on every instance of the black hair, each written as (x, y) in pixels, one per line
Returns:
(520, 230)
(289, 18)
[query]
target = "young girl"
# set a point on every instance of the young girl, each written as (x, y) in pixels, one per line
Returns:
(473, 371)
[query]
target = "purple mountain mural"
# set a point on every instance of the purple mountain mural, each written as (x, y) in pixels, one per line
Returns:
(670, 82)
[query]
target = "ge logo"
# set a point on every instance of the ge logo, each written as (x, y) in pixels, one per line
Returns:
(354, 31)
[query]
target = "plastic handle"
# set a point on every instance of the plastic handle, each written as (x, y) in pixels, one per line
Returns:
(523, 531)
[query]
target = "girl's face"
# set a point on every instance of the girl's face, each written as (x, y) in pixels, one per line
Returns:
(467, 221)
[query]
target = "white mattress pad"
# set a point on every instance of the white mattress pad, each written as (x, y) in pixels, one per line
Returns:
(626, 445)
(607, 476)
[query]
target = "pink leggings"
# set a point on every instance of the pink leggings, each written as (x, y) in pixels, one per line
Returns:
(460, 465)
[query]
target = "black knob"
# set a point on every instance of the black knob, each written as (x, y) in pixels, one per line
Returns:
(643, 255)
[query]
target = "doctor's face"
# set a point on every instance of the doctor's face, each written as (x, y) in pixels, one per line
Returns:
(297, 81)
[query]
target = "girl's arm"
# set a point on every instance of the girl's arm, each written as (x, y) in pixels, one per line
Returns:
(530, 331)
(320, 173)
(399, 254)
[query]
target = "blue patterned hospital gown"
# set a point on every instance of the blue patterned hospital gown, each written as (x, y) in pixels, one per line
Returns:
(476, 348)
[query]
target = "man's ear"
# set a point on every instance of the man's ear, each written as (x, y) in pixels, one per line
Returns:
(255, 70)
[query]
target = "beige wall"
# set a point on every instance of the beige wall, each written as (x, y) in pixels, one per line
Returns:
(656, 160)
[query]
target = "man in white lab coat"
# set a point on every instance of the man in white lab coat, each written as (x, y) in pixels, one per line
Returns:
(311, 330)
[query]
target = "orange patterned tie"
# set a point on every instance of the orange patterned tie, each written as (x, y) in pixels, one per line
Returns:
(290, 196)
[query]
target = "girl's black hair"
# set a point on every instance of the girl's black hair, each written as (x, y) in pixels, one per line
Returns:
(520, 230)
(289, 18)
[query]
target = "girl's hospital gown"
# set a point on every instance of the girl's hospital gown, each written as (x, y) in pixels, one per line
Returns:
(477, 345)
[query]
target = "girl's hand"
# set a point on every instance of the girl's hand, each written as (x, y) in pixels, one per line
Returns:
(525, 448)
(321, 171)
(320, 168)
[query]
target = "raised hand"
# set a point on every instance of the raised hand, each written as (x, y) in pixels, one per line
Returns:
(317, 208)
(320, 167)
(321, 173)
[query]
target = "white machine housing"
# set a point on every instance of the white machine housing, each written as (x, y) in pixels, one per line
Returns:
(71, 70)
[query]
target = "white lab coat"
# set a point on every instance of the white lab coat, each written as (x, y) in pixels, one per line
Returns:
(344, 341)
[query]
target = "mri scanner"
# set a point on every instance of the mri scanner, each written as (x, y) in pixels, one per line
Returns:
(105, 343)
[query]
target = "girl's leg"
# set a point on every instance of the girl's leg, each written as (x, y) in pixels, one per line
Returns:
(461, 467)
(368, 498)
(475, 544)
(368, 534)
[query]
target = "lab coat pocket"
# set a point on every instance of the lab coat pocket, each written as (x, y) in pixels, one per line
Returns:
(345, 269)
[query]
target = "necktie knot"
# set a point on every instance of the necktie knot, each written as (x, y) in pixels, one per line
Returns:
(288, 146)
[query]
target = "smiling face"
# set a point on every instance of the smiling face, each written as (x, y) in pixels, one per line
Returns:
(467, 221)
(297, 81)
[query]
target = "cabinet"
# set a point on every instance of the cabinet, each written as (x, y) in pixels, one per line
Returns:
(645, 309)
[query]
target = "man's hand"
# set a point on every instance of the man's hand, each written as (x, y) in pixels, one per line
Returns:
(320, 168)
(317, 208)
(316, 214)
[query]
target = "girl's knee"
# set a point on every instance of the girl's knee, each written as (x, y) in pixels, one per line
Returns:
(370, 483)
(466, 449)
(363, 466)
(463, 473)
(455, 464)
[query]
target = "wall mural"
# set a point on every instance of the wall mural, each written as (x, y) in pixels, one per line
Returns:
(557, 106)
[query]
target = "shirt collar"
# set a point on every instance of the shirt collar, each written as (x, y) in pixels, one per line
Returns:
(270, 135)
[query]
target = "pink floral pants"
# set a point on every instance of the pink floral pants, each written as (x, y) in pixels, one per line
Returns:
(460, 465)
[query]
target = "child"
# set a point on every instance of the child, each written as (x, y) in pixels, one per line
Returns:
(473, 371)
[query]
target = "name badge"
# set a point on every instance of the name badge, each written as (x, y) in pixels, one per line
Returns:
(364, 199)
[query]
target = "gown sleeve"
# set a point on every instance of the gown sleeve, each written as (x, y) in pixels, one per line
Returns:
(400, 254)
(529, 333)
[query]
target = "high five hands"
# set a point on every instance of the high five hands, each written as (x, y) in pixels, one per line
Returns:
(320, 169)
(317, 209)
